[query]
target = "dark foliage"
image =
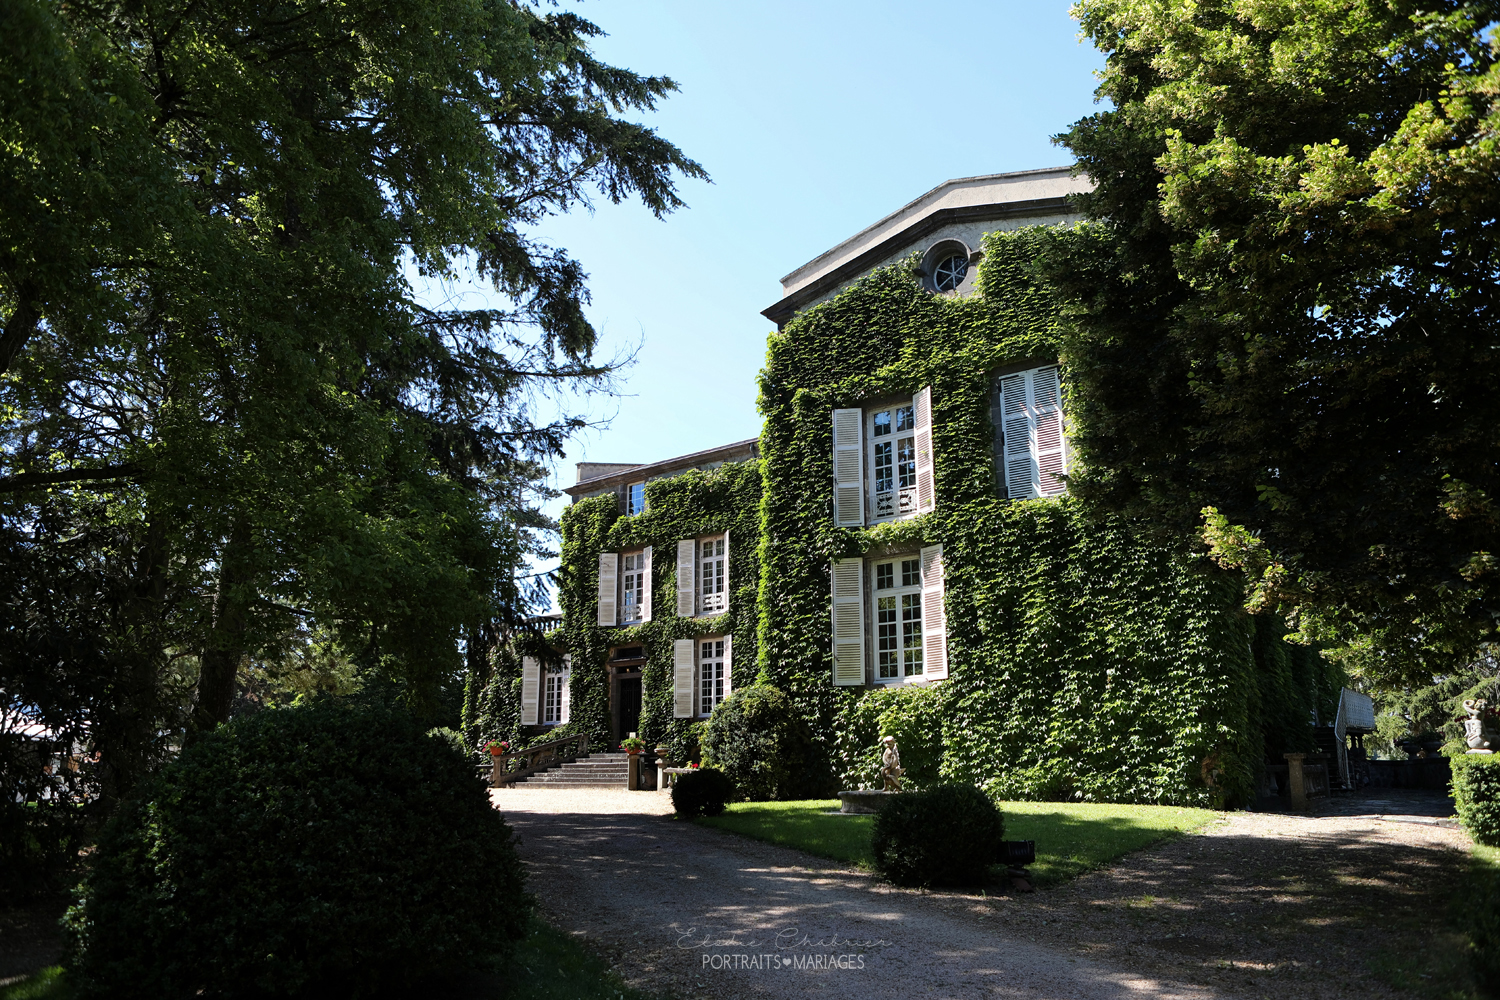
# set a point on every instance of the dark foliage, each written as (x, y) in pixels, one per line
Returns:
(705, 792)
(330, 848)
(760, 741)
(948, 835)
(1286, 310)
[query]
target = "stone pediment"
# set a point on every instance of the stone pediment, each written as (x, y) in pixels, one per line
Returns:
(965, 204)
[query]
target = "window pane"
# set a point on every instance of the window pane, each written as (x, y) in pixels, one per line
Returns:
(885, 576)
(906, 459)
(888, 660)
(906, 419)
(911, 633)
(911, 572)
(882, 423)
(883, 473)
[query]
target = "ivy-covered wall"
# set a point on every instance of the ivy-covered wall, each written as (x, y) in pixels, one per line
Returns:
(687, 506)
(1084, 662)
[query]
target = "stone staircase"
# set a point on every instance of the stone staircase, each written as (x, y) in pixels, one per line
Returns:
(597, 770)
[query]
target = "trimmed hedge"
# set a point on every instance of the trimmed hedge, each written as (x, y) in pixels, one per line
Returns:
(758, 740)
(330, 848)
(947, 835)
(1476, 793)
(705, 792)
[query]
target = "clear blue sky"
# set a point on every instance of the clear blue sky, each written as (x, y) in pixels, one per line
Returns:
(814, 119)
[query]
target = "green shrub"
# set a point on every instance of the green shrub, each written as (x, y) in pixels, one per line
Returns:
(913, 713)
(705, 792)
(759, 741)
(947, 835)
(39, 844)
(452, 737)
(329, 848)
(1476, 793)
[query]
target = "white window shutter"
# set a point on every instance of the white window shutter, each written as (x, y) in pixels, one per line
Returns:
(531, 684)
(1047, 407)
(609, 585)
(728, 664)
(848, 578)
(926, 482)
(848, 468)
(934, 619)
(564, 712)
(1015, 424)
(682, 678)
(686, 577)
(646, 586)
(727, 590)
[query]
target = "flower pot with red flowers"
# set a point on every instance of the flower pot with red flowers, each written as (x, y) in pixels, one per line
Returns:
(633, 745)
(497, 747)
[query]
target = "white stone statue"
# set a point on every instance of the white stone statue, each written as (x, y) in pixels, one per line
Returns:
(1474, 727)
(890, 761)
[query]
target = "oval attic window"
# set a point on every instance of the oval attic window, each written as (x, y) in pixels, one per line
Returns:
(949, 273)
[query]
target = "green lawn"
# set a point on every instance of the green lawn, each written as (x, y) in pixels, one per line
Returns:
(548, 965)
(1071, 837)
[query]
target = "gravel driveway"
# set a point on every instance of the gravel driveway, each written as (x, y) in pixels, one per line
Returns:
(692, 911)
(1256, 906)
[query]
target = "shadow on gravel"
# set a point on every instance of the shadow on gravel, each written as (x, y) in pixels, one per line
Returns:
(1366, 910)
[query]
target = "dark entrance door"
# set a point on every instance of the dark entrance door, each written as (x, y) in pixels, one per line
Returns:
(630, 707)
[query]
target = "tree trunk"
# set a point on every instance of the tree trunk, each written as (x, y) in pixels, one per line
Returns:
(128, 723)
(227, 640)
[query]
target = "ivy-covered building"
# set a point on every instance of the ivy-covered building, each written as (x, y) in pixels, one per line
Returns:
(898, 553)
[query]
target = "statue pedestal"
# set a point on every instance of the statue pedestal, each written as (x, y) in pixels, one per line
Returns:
(1296, 780)
(866, 801)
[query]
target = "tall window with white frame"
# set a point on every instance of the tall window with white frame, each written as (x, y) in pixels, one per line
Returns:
(633, 584)
(713, 598)
(555, 698)
(635, 498)
(893, 462)
(898, 620)
(710, 675)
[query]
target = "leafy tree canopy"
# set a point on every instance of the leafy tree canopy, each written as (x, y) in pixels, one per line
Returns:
(1287, 311)
(214, 360)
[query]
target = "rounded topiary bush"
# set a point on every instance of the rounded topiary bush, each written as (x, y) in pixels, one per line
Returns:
(1476, 795)
(947, 835)
(756, 737)
(704, 792)
(330, 848)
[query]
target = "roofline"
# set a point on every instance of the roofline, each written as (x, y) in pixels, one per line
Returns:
(645, 470)
(785, 308)
(915, 202)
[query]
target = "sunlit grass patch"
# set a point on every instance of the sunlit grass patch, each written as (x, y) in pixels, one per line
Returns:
(1071, 837)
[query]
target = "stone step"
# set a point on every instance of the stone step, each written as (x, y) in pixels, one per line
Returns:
(597, 770)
